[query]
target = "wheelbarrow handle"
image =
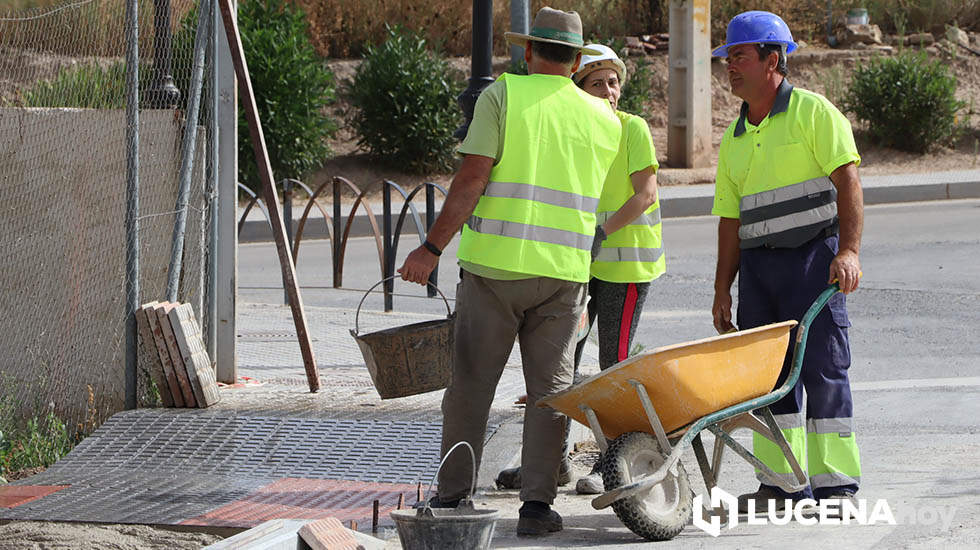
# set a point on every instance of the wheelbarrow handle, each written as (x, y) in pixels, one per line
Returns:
(801, 334)
(357, 316)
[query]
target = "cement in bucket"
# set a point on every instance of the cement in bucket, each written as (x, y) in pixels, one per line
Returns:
(410, 359)
(462, 528)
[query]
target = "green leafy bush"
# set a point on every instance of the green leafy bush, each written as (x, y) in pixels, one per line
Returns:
(907, 101)
(292, 89)
(39, 442)
(639, 87)
(405, 101)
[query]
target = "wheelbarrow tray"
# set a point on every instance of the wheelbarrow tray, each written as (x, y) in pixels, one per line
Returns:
(684, 381)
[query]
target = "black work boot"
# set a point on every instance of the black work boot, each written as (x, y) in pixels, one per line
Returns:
(536, 518)
(762, 500)
(510, 478)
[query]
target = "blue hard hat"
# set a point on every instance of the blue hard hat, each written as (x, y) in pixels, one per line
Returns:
(756, 27)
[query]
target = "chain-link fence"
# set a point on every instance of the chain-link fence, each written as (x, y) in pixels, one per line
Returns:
(63, 196)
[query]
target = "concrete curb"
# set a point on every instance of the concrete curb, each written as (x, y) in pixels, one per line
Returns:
(678, 201)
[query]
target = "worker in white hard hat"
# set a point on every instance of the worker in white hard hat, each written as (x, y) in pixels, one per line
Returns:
(632, 253)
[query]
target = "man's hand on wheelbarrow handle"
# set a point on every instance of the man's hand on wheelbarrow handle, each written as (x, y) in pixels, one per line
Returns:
(721, 311)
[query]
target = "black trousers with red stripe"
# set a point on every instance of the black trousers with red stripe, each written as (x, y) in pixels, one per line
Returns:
(617, 306)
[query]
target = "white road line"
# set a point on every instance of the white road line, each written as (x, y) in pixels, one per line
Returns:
(676, 314)
(916, 383)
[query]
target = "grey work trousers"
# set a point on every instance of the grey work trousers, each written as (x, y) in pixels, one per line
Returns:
(543, 314)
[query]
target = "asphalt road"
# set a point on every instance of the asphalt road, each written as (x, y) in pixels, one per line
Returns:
(914, 316)
(915, 371)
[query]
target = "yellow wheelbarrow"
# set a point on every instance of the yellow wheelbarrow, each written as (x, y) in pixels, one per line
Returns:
(654, 404)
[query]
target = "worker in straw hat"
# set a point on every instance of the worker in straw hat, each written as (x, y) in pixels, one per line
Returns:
(791, 212)
(525, 196)
(632, 255)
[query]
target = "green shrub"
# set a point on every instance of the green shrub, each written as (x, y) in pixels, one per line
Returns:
(84, 86)
(39, 442)
(405, 101)
(292, 88)
(907, 101)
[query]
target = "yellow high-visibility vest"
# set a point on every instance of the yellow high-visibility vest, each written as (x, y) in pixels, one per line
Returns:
(537, 213)
(634, 253)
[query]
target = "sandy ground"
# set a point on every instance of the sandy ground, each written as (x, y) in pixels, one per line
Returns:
(31, 535)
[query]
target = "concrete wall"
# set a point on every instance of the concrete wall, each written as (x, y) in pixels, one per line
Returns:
(63, 251)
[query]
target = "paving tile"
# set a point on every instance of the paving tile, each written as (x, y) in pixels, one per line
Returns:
(297, 498)
(12, 496)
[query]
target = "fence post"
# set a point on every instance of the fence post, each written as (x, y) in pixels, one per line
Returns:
(430, 218)
(187, 150)
(389, 270)
(132, 198)
(227, 270)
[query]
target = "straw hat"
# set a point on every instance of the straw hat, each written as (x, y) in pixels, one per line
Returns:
(556, 27)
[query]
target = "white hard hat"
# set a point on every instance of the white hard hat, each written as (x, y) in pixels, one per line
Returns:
(606, 60)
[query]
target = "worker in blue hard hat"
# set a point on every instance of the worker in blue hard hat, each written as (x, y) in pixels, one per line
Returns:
(791, 213)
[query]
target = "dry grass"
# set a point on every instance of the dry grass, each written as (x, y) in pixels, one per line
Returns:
(78, 28)
(341, 28)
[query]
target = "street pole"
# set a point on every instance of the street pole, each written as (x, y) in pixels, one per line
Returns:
(163, 93)
(520, 23)
(689, 85)
(481, 66)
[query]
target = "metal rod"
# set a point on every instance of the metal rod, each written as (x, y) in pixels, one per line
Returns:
(706, 471)
(271, 196)
(600, 437)
(287, 217)
(212, 284)
(709, 474)
(374, 516)
(430, 218)
(766, 471)
(132, 198)
(389, 262)
(716, 455)
(335, 241)
(658, 428)
(188, 149)
(780, 439)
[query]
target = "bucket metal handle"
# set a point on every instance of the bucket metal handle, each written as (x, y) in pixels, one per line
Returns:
(357, 316)
(425, 498)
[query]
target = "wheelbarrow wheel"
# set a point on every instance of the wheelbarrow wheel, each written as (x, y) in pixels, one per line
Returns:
(659, 513)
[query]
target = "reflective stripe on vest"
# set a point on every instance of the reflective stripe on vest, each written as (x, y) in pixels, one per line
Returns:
(626, 254)
(788, 216)
(648, 218)
(532, 192)
(530, 232)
